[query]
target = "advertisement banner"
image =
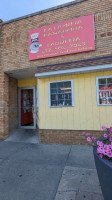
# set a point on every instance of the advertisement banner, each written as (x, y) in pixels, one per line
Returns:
(71, 36)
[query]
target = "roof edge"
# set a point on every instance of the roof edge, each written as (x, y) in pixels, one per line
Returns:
(77, 61)
(43, 11)
(72, 71)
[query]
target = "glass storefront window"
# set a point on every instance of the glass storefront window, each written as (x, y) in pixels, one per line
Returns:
(61, 94)
(104, 90)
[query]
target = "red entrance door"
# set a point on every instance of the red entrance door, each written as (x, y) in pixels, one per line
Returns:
(27, 107)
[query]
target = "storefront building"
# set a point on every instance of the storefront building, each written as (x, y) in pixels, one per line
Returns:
(56, 72)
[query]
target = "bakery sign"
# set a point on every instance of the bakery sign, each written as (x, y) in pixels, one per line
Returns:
(72, 36)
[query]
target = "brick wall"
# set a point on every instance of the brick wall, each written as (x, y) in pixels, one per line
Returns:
(4, 105)
(69, 137)
(8, 105)
(15, 34)
(14, 45)
(13, 104)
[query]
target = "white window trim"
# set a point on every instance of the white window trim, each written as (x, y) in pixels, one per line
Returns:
(97, 89)
(37, 97)
(71, 92)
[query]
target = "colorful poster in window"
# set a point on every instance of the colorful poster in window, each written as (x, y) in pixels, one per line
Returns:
(105, 91)
(72, 36)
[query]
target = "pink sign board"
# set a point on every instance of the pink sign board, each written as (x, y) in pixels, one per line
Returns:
(72, 36)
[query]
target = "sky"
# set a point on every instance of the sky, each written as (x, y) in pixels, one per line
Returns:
(11, 9)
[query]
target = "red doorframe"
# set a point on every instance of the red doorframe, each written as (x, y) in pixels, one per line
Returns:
(31, 114)
(26, 114)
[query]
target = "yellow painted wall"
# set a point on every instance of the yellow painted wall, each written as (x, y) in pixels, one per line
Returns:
(85, 115)
(27, 82)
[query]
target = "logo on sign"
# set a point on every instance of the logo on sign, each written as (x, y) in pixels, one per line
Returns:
(34, 47)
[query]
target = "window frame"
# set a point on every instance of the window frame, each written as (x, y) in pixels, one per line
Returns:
(72, 92)
(37, 97)
(97, 89)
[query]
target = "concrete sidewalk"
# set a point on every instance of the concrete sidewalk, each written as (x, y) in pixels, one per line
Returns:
(47, 172)
(24, 135)
(79, 179)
